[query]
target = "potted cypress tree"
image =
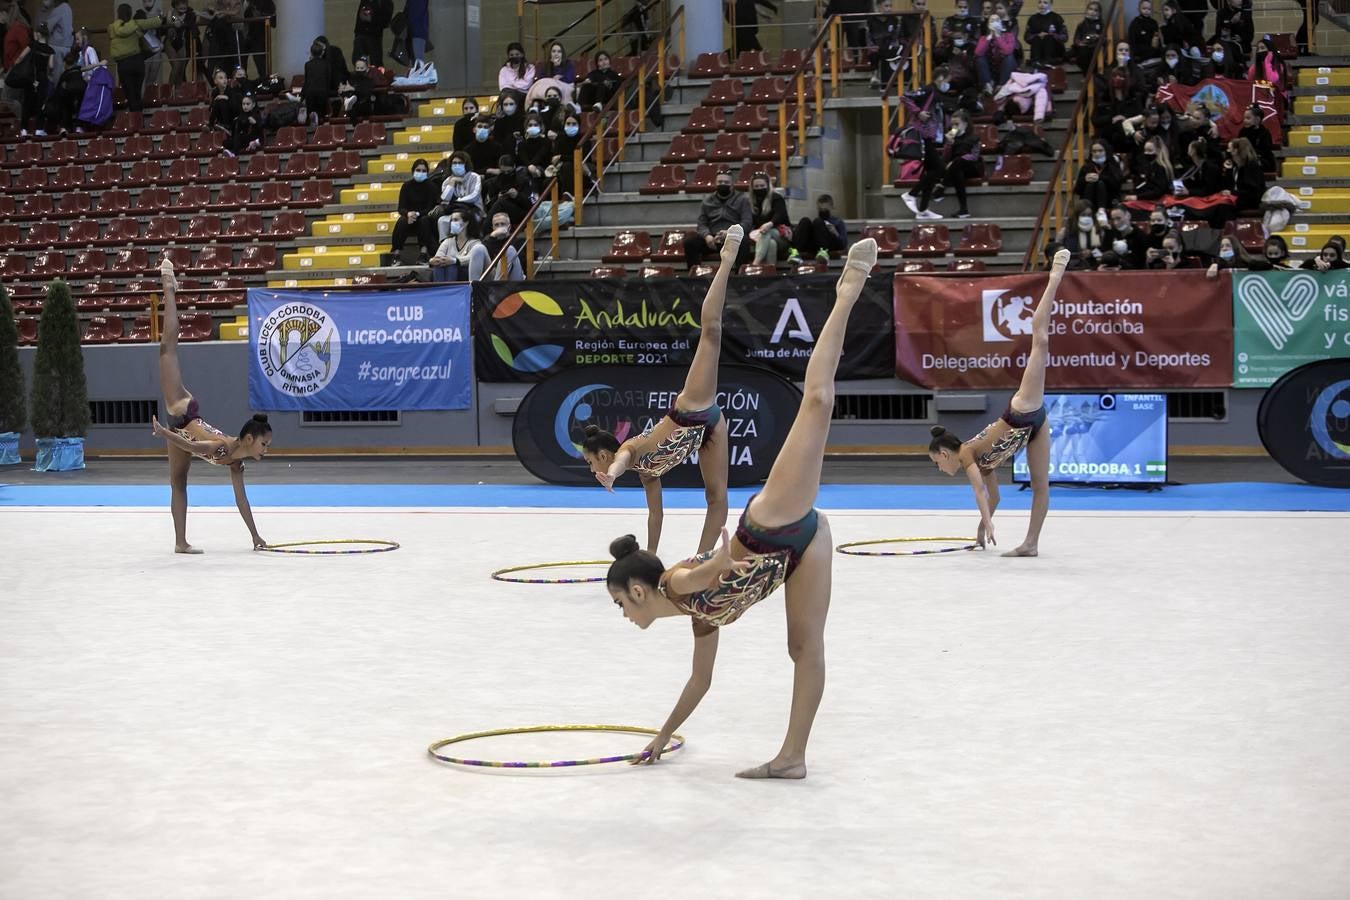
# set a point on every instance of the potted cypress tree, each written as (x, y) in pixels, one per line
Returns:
(13, 403)
(60, 411)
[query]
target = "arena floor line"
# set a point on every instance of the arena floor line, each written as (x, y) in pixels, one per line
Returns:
(1249, 496)
(1158, 707)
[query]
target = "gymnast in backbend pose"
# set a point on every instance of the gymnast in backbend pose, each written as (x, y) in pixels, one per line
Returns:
(695, 423)
(1021, 425)
(188, 435)
(781, 539)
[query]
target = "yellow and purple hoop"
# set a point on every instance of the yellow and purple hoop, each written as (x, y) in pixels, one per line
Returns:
(302, 547)
(500, 574)
(676, 742)
(966, 544)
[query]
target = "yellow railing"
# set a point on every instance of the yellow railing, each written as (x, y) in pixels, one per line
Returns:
(1058, 203)
(918, 74)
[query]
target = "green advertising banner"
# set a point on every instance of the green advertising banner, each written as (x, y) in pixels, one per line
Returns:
(1282, 320)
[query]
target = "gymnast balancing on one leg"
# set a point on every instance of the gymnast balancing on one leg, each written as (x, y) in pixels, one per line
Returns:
(696, 423)
(1021, 425)
(781, 538)
(188, 435)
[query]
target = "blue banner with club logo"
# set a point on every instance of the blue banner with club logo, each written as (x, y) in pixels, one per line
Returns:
(361, 350)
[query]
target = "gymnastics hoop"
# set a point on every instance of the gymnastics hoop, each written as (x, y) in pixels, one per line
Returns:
(299, 547)
(676, 742)
(500, 574)
(847, 548)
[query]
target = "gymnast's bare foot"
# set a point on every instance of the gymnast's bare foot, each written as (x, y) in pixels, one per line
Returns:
(769, 770)
(186, 548)
(1024, 550)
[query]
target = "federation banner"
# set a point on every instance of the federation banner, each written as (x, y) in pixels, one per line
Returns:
(359, 351)
(1283, 320)
(526, 332)
(1149, 329)
(1226, 100)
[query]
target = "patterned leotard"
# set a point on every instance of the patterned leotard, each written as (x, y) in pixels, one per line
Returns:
(220, 457)
(692, 430)
(1022, 427)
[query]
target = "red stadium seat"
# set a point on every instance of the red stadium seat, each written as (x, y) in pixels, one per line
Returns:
(704, 178)
(152, 201)
(232, 195)
(656, 271)
(887, 238)
(135, 148)
(113, 201)
(328, 137)
(300, 165)
(980, 240)
(789, 60)
(122, 230)
(768, 90)
(49, 262)
(156, 94)
(628, 246)
(272, 194)
(703, 270)
(100, 149)
(30, 181)
(750, 118)
(104, 175)
(291, 137)
(172, 146)
(1014, 168)
(258, 258)
(914, 267)
(74, 204)
(181, 257)
(203, 228)
(671, 247)
(162, 121)
(928, 240)
(1056, 80)
(609, 272)
(729, 148)
(664, 180)
(709, 65)
(724, 92)
(235, 297)
(244, 226)
(966, 265)
(208, 143)
(222, 168)
(144, 173)
(9, 235)
(68, 178)
(685, 148)
(42, 234)
(368, 134)
(7, 206)
(183, 171)
(811, 267)
(750, 64)
(314, 193)
(130, 261)
(83, 232)
(198, 119)
(214, 258)
(988, 136)
(26, 153)
(341, 164)
(28, 329)
(1249, 234)
(194, 327)
(89, 262)
(751, 169)
(286, 225)
(192, 198)
(38, 206)
(63, 151)
(15, 265)
(140, 331)
(705, 120)
(767, 149)
(758, 270)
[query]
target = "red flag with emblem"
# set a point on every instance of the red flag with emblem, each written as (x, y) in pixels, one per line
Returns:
(1226, 100)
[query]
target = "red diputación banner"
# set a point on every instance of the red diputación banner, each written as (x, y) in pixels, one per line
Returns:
(1149, 329)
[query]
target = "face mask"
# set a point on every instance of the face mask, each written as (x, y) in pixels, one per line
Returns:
(995, 26)
(1151, 156)
(360, 71)
(1217, 56)
(1159, 228)
(509, 109)
(1085, 223)
(944, 86)
(514, 60)
(1172, 62)
(456, 227)
(724, 190)
(1273, 255)
(457, 168)
(419, 175)
(761, 194)
(1165, 124)
(1225, 254)
(1099, 158)
(823, 212)
(571, 130)
(482, 134)
(1120, 247)
(532, 131)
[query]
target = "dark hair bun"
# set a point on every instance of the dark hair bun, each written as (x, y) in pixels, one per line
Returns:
(937, 431)
(590, 430)
(260, 418)
(623, 546)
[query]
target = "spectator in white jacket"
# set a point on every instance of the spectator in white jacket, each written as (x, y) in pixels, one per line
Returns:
(462, 191)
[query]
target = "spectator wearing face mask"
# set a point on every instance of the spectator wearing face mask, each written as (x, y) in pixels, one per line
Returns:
(497, 242)
(1274, 256)
(1267, 66)
(1169, 255)
(547, 106)
(510, 122)
(358, 97)
(461, 190)
(509, 190)
(1099, 179)
(599, 84)
(996, 56)
(564, 139)
(1243, 173)
(1087, 35)
(1144, 35)
(1046, 35)
(1331, 256)
(516, 75)
(1179, 68)
(721, 209)
(1230, 256)
(1154, 180)
(461, 256)
(484, 150)
(771, 231)
(1259, 137)
(416, 199)
(961, 29)
(533, 151)
(1082, 236)
(1223, 63)
(1128, 242)
(462, 134)
(246, 135)
(1158, 229)
(960, 161)
(1204, 176)
(821, 236)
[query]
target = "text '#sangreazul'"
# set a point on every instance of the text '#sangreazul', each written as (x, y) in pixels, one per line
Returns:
(642, 317)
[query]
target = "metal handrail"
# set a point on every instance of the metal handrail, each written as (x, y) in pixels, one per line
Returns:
(1059, 190)
(896, 82)
(598, 134)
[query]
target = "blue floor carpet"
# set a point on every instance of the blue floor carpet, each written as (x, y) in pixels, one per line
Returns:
(1236, 496)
